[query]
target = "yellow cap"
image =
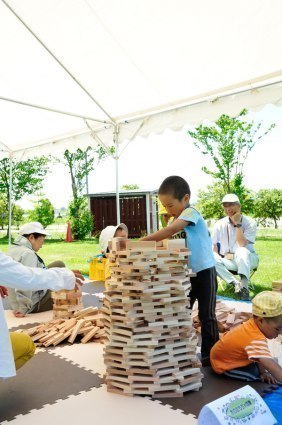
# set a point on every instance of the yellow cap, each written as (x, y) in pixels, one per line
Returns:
(267, 304)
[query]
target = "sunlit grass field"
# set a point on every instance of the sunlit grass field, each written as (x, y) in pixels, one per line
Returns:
(76, 255)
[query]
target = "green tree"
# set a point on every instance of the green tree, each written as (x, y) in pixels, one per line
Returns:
(130, 187)
(17, 217)
(4, 214)
(228, 143)
(80, 218)
(80, 163)
(27, 177)
(268, 205)
(43, 212)
(209, 200)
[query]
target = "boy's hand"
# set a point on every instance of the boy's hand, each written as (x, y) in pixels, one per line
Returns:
(268, 378)
(3, 291)
(78, 279)
(18, 314)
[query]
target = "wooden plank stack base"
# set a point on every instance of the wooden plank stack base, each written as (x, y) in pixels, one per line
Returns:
(86, 323)
(227, 318)
(66, 302)
(151, 347)
(277, 286)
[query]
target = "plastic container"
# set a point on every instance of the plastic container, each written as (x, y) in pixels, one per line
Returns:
(97, 269)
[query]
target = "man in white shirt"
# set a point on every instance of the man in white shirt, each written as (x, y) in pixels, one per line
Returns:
(233, 245)
(15, 275)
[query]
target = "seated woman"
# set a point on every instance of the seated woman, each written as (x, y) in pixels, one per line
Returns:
(24, 250)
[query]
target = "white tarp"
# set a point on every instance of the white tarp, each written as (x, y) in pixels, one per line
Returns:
(149, 64)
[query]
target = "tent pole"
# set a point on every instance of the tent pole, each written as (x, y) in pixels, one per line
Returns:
(58, 60)
(57, 111)
(117, 172)
(10, 197)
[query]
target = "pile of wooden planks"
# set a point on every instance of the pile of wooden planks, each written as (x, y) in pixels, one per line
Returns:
(277, 286)
(66, 302)
(85, 325)
(151, 348)
(227, 318)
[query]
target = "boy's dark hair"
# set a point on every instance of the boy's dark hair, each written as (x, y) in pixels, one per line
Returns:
(36, 235)
(175, 186)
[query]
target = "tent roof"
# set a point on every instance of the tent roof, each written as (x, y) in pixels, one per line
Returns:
(146, 65)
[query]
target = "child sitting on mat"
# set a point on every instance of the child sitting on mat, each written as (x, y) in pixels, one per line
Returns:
(107, 234)
(243, 352)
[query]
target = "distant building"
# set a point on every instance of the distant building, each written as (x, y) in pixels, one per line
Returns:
(138, 210)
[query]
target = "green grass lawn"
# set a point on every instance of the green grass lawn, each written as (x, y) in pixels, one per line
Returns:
(76, 256)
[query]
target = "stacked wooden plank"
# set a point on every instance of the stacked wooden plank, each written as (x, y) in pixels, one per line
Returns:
(151, 348)
(85, 325)
(227, 318)
(277, 286)
(66, 302)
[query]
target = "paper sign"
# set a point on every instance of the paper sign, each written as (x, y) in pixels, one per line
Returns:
(241, 407)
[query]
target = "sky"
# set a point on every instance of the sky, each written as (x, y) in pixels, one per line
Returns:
(148, 161)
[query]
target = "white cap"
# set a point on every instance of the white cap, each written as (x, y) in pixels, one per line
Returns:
(33, 227)
(107, 235)
(231, 197)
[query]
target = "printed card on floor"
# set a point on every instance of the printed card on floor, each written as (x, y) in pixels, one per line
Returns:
(243, 406)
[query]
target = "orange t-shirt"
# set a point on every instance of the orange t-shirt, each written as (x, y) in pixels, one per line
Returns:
(239, 347)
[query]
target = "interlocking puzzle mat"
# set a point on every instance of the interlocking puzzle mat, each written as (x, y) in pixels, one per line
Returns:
(64, 384)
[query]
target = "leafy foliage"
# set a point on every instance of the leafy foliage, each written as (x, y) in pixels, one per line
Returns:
(268, 205)
(17, 215)
(209, 200)
(43, 212)
(80, 163)
(27, 176)
(130, 187)
(228, 143)
(27, 179)
(80, 218)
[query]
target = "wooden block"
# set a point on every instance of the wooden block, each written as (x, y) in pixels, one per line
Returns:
(118, 244)
(174, 244)
(141, 245)
(85, 311)
(90, 335)
(75, 330)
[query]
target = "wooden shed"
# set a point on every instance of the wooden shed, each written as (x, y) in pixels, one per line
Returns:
(138, 210)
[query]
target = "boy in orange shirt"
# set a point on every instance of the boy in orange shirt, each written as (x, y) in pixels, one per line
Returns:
(243, 352)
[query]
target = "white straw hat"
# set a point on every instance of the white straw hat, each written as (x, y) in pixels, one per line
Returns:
(231, 197)
(33, 227)
(108, 233)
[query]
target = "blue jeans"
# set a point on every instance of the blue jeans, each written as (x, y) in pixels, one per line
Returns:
(247, 373)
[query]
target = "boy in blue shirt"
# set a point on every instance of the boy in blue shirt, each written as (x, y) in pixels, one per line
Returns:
(174, 193)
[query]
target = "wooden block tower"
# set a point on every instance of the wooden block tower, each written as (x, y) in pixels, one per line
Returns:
(66, 303)
(151, 347)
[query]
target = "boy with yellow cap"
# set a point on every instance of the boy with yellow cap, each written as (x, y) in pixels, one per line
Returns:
(243, 352)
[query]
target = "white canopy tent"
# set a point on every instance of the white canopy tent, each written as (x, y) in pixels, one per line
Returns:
(77, 70)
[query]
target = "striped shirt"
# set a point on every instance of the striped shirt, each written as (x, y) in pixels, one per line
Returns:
(239, 347)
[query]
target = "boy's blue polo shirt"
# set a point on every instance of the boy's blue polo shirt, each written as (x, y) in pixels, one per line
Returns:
(198, 240)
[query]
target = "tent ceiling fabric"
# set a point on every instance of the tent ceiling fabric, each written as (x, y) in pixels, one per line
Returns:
(150, 64)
